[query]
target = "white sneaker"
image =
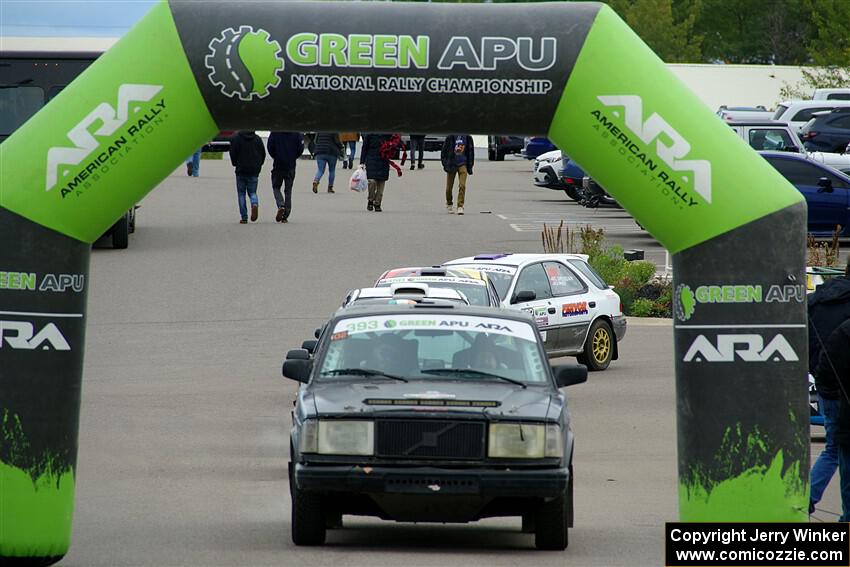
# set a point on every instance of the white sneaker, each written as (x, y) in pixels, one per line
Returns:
(450, 209)
(460, 210)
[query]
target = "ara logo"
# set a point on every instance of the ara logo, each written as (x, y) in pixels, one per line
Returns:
(656, 128)
(20, 335)
(749, 348)
(84, 140)
(244, 63)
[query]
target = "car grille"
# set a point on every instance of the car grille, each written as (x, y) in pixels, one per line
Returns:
(430, 439)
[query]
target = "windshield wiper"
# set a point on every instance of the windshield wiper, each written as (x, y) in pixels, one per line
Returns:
(471, 372)
(364, 372)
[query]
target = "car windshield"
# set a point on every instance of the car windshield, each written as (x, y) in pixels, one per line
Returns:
(474, 290)
(501, 276)
(434, 347)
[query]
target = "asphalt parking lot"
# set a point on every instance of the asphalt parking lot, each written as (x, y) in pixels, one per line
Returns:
(185, 417)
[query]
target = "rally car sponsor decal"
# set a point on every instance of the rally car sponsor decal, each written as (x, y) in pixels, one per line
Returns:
(471, 324)
(573, 309)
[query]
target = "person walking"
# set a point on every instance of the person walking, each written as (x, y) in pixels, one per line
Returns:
(417, 143)
(247, 156)
(829, 307)
(834, 362)
(376, 154)
(285, 148)
(349, 140)
(458, 157)
(328, 151)
(193, 164)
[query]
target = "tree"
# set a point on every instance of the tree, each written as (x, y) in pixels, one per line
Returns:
(670, 33)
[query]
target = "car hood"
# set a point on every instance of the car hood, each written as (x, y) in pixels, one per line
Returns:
(483, 397)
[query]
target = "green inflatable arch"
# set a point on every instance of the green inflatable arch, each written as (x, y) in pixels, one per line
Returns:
(572, 70)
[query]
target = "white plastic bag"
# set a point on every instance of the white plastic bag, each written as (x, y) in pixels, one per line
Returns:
(358, 181)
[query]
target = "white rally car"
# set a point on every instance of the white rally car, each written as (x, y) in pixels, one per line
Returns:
(577, 313)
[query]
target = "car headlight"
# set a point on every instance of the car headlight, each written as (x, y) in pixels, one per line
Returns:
(524, 441)
(338, 437)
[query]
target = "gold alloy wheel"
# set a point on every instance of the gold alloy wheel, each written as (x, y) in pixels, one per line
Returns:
(601, 346)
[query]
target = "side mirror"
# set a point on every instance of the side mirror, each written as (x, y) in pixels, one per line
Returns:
(524, 296)
(298, 354)
(310, 345)
(317, 333)
(297, 369)
(569, 374)
(825, 184)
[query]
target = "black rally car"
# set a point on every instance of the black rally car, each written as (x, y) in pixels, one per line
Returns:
(431, 413)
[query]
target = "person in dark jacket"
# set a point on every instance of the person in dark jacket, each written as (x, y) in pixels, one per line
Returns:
(328, 150)
(376, 154)
(834, 366)
(285, 148)
(829, 307)
(247, 155)
(458, 157)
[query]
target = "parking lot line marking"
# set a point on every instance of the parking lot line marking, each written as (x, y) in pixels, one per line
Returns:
(31, 314)
(766, 326)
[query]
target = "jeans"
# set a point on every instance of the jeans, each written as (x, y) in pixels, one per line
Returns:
(352, 150)
(827, 461)
(844, 474)
(285, 177)
(417, 143)
(450, 182)
(322, 161)
(246, 185)
(195, 160)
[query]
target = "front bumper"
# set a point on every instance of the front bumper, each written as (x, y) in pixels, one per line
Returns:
(619, 322)
(532, 483)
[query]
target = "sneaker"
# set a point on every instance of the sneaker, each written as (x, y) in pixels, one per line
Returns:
(284, 220)
(189, 168)
(412, 167)
(421, 165)
(315, 187)
(460, 210)
(254, 212)
(377, 208)
(450, 209)
(331, 189)
(344, 164)
(279, 216)
(369, 206)
(243, 221)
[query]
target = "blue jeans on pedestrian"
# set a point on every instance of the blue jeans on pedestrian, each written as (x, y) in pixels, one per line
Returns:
(827, 462)
(328, 160)
(844, 474)
(195, 160)
(245, 185)
(352, 150)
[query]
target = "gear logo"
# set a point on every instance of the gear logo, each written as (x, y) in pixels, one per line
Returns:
(244, 63)
(685, 302)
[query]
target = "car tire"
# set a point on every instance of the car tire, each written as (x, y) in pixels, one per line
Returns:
(131, 226)
(500, 156)
(121, 233)
(572, 193)
(491, 155)
(598, 346)
(308, 518)
(551, 529)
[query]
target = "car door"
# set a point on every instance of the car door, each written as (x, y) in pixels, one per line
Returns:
(574, 306)
(826, 209)
(533, 278)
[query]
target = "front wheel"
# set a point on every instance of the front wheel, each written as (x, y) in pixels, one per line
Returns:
(491, 155)
(551, 523)
(308, 518)
(598, 347)
(500, 156)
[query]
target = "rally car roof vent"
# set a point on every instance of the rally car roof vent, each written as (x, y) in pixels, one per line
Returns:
(432, 272)
(490, 256)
